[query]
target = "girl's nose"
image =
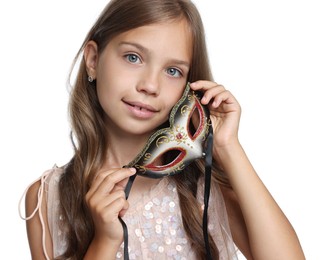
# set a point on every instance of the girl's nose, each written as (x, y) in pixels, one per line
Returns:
(149, 84)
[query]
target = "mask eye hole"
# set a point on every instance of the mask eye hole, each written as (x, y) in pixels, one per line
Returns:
(195, 123)
(171, 158)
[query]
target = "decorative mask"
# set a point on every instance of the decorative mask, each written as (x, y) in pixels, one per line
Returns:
(179, 142)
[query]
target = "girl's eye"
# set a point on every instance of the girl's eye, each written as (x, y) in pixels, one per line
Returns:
(174, 72)
(133, 58)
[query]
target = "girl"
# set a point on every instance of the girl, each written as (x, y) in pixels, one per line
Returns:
(135, 63)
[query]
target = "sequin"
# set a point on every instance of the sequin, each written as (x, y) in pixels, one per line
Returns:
(147, 225)
(173, 231)
(161, 249)
(138, 232)
(168, 241)
(146, 233)
(184, 241)
(171, 187)
(141, 239)
(148, 215)
(158, 229)
(154, 247)
(147, 207)
(150, 204)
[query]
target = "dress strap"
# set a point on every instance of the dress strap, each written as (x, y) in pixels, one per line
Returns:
(43, 179)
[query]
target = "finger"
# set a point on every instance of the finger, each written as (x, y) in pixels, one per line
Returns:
(104, 206)
(209, 89)
(211, 93)
(220, 98)
(112, 210)
(117, 178)
(119, 207)
(99, 178)
(108, 180)
(98, 203)
(203, 85)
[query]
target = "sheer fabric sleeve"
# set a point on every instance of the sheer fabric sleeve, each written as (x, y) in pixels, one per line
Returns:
(218, 224)
(48, 190)
(55, 219)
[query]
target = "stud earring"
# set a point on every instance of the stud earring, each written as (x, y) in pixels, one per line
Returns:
(90, 79)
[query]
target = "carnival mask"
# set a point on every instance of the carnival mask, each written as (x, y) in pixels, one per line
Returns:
(180, 143)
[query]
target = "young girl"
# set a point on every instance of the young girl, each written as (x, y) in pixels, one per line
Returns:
(135, 63)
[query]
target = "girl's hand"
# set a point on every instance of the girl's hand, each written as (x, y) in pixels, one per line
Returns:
(224, 112)
(106, 201)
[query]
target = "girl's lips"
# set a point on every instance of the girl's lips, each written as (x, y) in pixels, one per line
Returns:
(140, 110)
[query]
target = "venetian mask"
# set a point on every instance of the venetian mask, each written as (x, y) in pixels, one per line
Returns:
(179, 144)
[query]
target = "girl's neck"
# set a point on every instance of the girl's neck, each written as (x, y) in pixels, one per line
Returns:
(122, 149)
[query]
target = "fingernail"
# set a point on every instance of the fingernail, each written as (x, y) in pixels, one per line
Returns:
(133, 170)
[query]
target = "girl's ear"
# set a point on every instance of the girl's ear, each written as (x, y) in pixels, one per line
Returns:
(91, 58)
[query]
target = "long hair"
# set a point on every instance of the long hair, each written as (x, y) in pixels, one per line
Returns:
(88, 127)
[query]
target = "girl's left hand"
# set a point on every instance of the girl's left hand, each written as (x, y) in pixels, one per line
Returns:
(225, 112)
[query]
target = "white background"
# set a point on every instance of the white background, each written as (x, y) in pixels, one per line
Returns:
(268, 53)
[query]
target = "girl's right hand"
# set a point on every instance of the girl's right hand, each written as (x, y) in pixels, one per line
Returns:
(106, 201)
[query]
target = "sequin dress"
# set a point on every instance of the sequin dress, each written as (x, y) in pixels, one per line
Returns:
(154, 222)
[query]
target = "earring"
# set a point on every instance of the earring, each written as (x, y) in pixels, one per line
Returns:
(90, 79)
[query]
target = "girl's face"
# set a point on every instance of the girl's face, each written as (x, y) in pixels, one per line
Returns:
(140, 75)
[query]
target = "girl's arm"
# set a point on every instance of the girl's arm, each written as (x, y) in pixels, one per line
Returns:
(270, 234)
(255, 217)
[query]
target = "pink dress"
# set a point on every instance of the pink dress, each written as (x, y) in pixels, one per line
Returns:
(154, 222)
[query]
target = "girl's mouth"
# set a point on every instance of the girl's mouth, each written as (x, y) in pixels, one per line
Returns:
(140, 110)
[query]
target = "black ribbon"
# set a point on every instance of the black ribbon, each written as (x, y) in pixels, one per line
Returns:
(125, 232)
(208, 163)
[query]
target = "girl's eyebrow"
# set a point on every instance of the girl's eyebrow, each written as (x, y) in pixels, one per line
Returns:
(136, 45)
(145, 50)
